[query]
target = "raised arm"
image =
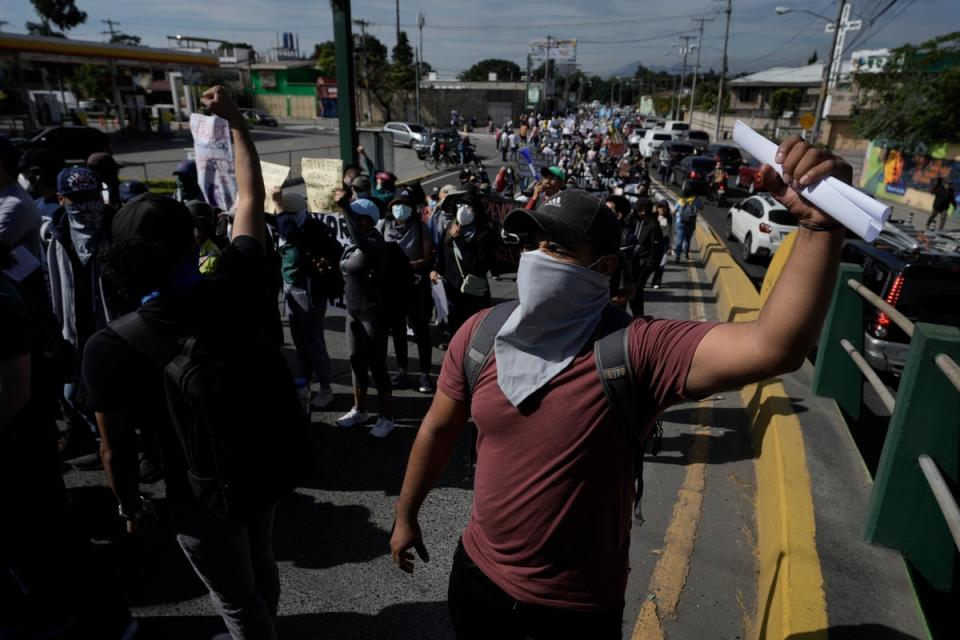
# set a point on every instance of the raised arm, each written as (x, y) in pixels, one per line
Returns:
(788, 324)
(248, 220)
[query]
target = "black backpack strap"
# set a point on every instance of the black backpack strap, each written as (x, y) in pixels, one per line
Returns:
(135, 330)
(482, 340)
(612, 356)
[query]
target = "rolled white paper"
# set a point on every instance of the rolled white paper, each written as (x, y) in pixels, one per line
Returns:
(847, 205)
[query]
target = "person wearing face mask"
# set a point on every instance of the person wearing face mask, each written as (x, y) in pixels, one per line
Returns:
(310, 260)
(622, 288)
(464, 257)
(38, 175)
(367, 326)
(646, 256)
(412, 304)
(108, 171)
(20, 219)
(665, 220)
(551, 453)
(441, 218)
(188, 187)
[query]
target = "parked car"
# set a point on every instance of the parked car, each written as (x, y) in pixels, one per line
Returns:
(677, 150)
(636, 137)
(692, 173)
(915, 271)
(728, 155)
(759, 223)
(652, 140)
(653, 122)
(676, 128)
(255, 117)
(96, 106)
(70, 142)
(748, 175)
(406, 133)
(699, 139)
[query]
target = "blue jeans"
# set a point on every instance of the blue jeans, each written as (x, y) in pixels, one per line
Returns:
(234, 559)
(307, 318)
(682, 241)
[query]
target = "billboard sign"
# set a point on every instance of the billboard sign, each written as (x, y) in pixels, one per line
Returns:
(557, 50)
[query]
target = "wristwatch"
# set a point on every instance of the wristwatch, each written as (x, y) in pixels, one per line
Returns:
(134, 515)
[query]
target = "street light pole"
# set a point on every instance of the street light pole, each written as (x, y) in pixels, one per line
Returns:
(723, 73)
(421, 20)
(696, 68)
(825, 81)
(683, 75)
(417, 59)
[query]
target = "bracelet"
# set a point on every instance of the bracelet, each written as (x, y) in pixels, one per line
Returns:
(813, 226)
(136, 515)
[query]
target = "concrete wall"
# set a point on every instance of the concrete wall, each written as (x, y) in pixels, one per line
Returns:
(288, 106)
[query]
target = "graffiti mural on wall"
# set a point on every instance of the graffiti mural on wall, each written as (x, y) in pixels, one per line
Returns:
(890, 173)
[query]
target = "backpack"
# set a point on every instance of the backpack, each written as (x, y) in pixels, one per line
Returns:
(235, 411)
(688, 214)
(398, 274)
(612, 358)
(317, 244)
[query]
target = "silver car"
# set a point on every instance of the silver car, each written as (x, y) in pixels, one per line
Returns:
(406, 133)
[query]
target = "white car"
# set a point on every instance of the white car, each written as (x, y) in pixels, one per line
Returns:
(406, 133)
(676, 128)
(652, 140)
(759, 223)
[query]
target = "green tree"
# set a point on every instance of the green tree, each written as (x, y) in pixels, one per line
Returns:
(62, 14)
(325, 57)
(125, 38)
(390, 83)
(912, 103)
(91, 81)
(784, 99)
(506, 71)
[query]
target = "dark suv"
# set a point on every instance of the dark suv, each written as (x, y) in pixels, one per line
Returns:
(915, 271)
(728, 155)
(70, 142)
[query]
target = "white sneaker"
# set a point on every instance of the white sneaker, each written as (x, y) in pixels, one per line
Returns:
(352, 418)
(383, 427)
(321, 400)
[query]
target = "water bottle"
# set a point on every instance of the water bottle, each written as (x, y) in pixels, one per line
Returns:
(303, 393)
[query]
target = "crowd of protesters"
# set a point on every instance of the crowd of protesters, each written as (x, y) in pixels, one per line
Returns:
(117, 304)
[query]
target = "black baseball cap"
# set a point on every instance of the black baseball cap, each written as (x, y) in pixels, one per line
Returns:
(571, 216)
(153, 218)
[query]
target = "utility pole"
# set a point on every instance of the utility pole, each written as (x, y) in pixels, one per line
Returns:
(526, 96)
(346, 94)
(416, 53)
(696, 68)
(421, 20)
(363, 24)
(831, 71)
(723, 72)
(398, 23)
(683, 75)
(546, 77)
(110, 26)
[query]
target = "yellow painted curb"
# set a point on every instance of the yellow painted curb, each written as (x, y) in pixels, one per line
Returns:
(790, 598)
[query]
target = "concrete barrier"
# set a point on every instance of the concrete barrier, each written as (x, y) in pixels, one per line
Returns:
(790, 598)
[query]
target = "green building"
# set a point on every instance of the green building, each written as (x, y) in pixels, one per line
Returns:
(286, 88)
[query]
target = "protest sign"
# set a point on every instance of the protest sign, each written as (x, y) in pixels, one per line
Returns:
(532, 163)
(274, 175)
(321, 177)
(213, 152)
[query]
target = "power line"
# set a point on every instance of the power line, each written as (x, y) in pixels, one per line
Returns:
(663, 37)
(552, 25)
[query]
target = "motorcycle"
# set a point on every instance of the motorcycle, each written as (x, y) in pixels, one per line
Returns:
(718, 194)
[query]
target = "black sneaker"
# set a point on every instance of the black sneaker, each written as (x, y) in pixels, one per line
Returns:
(150, 471)
(399, 378)
(426, 385)
(89, 462)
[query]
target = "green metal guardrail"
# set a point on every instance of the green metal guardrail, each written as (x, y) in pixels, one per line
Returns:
(912, 507)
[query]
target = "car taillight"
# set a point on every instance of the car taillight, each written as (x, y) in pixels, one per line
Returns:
(765, 228)
(880, 327)
(693, 174)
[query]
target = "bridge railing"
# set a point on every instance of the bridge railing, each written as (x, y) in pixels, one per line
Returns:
(913, 506)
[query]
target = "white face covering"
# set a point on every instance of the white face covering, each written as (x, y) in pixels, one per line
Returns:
(560, 308)
(401, 212)
(24, 182)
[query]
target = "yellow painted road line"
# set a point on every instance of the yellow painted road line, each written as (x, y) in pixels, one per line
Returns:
(670, 574)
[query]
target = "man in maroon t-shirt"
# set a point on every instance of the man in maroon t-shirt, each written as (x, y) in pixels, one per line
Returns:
(544, 553)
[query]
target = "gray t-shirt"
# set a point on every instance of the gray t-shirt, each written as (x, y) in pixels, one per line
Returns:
(19, 219)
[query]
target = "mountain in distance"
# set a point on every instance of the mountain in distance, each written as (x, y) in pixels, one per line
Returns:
(627, 70)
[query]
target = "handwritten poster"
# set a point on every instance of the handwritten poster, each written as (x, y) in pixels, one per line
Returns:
(321, 176)
(213, 152)
(274, 175)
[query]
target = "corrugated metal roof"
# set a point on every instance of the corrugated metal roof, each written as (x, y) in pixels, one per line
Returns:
(807, 75)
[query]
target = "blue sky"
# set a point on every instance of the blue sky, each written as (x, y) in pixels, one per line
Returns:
(613, 35)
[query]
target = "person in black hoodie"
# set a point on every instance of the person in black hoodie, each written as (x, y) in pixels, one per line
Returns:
(646, 257)
(464, 257)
